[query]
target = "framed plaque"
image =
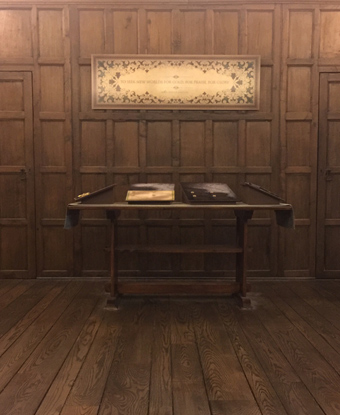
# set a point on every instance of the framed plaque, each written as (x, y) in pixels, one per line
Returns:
(175, 82)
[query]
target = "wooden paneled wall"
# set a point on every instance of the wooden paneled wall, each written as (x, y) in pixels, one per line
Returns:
(78, 149)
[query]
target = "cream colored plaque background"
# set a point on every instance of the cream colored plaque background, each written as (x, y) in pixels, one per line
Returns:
(175, 82)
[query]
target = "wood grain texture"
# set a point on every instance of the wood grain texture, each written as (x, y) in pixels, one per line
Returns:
(86, 393)
(289, 389)
(29, 385)
(264, 392)
(12, 290)
(311, 367)
(127, 387)
(20, 327)
(161, 396)
(225, 380)
(70, 355)
(16, 355)
(59, 390)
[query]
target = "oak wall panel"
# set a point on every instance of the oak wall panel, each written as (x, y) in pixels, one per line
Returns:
(11, 96)
(125, 31)
(50, 33)
(158, 235)
(13, 205)
(299, 89)
(330, 34)
(258, 137)
(260, 33)
(333, 258)
(128, 261)
(16, 33)
(85, 88)
(225, 147)
(222, 264)
(297, 250)
(298, 143)
(52, 143)
(226, 32)
(53, 203)
(301, 28)
(159, 144)
(192, 32)
(94, 242)
(93, 143)
(187, 177)
(192, 235)
(159, 32)
(333, 157)
(52, 88)
(259, 249)
(13, 248)
(266, 89)
(91, 32)
(333, 198)
(12, 148)
(159, 178)
(334, 100)
(192, 144)
(55, 251)
(126, 144)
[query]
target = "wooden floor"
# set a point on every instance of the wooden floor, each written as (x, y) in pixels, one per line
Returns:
(63, 352)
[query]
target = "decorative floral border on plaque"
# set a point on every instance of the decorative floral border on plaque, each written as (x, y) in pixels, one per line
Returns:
(175, 82)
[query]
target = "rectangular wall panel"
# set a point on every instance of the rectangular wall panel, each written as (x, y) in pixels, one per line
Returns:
(260, 31)
(159, 32)
(301, 30)
(16, 33)
(125, 31)
(50, 33)
(192, 33)
(52, 88)
(225, 147)
(192, 144)
(53, 151)
(91, 32)
(226, 32)
(330, 34)
(299, 89)
(298, 143)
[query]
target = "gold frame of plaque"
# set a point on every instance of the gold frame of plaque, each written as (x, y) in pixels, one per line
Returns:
(168, 82)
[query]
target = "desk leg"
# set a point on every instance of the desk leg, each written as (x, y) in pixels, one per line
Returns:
(113, 288)
(241, 258)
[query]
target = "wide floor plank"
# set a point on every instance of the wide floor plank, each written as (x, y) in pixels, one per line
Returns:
(64, 352)
(312, 368)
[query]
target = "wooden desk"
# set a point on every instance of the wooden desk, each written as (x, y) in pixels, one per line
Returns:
(242, 211)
